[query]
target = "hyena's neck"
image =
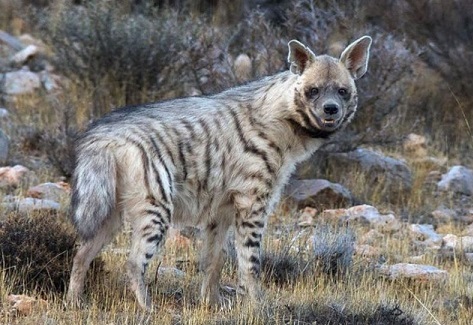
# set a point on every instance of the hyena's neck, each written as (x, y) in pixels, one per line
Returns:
(269, 102)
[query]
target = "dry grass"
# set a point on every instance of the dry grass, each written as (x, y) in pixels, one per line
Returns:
(301, 291)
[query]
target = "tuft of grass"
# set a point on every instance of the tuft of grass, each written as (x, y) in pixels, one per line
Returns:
(333, 248)
(37, 251)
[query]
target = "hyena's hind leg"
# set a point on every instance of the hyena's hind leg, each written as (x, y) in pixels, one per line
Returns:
(149, 227)
(213, 259)
(87, 251)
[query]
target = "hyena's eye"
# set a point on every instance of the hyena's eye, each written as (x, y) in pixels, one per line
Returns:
(314, 91)
(343, 92)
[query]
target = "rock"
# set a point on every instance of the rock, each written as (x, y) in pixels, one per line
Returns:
(415, 145)
(458, 180)
(426, 234)
(4, 113)
(242, 66)
(444, 215)
(25, 205)
(469, 259)
(318, 193)
(4, 147)
(385, 177)
(20, 82)
(11, 41)
(424, 273)
(58, 192)
(454, 242)
(306, 219)
(171, 271)
(52, 82)
(24, 305)
(22, 56)
(11, 176)
(365, 214)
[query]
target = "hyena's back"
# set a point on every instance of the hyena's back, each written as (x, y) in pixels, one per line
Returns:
(189, 155)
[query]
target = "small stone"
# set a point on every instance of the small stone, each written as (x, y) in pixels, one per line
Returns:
(415, 145)
(52, 82)
(4, 113)
(11, 176)
(22, 56)
(469, 259)
(457, 180)
(318, 193)
(24, 305)
(51, 191)
(306, 219)
(424, 273)
(25, 205)
(171, 271)
(4, 147)
(242, 67)
(20, 82)
(425, 234)
(454, 242)
(364, 214)
(444, 215)
(382, 222)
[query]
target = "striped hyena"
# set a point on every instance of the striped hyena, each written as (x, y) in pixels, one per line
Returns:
(216, 162)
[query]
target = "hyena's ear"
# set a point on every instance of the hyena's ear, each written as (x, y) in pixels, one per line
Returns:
(355, 57)
(299, 56)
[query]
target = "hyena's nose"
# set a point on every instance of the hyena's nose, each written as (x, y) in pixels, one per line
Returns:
(331, 109)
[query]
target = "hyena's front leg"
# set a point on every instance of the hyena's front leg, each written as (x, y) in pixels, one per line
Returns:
(148, 231)
(249, 226)
(213, 259)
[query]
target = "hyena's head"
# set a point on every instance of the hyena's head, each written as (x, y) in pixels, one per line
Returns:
(325, 95)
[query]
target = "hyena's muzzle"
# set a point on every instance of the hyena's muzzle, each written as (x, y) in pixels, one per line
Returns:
(329, 107)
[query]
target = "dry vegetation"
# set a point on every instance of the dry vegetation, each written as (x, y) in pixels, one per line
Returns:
(419, 80)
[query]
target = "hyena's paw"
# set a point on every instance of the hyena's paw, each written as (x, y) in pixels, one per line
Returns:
(221, 299)
(74, 301)
(253, 297)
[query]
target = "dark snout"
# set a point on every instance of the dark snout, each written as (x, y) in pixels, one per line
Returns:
(329, 115)
(331, 109)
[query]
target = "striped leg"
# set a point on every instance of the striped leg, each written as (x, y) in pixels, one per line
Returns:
(86, 253)
(148, 233)
(213, 260)
(249, 227)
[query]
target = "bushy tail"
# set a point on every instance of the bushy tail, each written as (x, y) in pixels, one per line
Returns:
(94, 190)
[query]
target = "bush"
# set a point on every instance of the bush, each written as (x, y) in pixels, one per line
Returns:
(333, 248)
(37, 251)
(334, 315)
(120, 57)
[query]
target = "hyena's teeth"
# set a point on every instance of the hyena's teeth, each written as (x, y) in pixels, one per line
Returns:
(329, 122)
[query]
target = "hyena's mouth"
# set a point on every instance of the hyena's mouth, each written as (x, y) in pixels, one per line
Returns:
(329, 123)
